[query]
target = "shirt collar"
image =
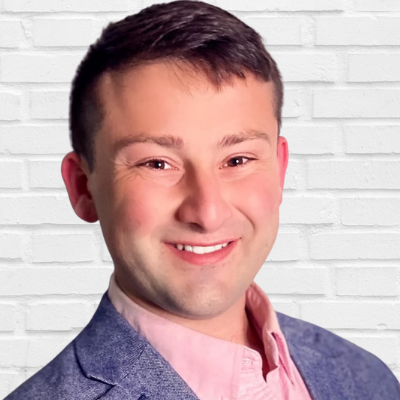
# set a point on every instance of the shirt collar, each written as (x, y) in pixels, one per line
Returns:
(266, 323)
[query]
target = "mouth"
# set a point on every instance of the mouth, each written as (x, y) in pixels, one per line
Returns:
(203, 254)
(197, 249)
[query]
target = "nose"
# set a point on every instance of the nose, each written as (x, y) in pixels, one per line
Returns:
(203, 205)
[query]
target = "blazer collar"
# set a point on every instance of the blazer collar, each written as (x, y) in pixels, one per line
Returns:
(110, 351)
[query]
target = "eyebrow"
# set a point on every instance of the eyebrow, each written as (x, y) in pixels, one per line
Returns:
(248, 134)
(175, 142)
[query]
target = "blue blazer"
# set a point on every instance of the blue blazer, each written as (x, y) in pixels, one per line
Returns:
(109, 360)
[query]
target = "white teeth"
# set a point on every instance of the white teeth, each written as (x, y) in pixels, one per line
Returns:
(198, 249)
(201, 249)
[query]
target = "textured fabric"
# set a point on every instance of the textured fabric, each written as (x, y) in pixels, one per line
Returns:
(109, 360)
(216, 369)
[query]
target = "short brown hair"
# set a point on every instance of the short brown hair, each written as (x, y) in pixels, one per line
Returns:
(205, 37)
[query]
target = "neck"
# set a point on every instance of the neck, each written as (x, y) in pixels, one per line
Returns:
(233, 325)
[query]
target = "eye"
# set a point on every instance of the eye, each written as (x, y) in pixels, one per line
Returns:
(157, 164)
(238, 161)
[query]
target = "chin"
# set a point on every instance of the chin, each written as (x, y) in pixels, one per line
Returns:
(202, 304)
(199, 312)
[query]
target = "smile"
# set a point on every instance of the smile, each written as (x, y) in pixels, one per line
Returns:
(203, 255)
(201, 249)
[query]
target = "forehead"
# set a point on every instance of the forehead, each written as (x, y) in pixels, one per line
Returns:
(163, 99)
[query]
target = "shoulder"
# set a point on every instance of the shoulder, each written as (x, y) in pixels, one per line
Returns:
(108, 358)
(60, 379)
(329, 356)
(64, 377)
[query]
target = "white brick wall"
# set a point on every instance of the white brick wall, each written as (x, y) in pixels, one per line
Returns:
(380, 67)
(372, 139)
(336, 258)
(357, 30)
(352, 102)
(9, 106)
(49, 104)
(59, 32)
(55, 316)
(34, 139)
(39, 67)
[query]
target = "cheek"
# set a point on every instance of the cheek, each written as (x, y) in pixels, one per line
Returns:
(260, 197)
(137, 208)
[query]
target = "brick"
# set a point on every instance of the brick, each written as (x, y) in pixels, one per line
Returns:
(49, 104)
(291, 107)
(315, 139)
(11, 33)
(371, 174)
(377, 5)
(39, 67)
(10, 106)
(45, 174)
(55, 316)
(54, 281)
(9, 381)
(62, 247)
(7, 317)
(370, 281)
(69, 6)
(277, 31)
(374, 67)
(362, 31)
(355, 246)
(356, 103)
(286, 247)
(10, 245)
(30, 352)
(281, 5)
(286, 307)
(11, 174)
(294, 175)
(32, 139)
(64, 32)
(386, 348)
(92, 306)
(307, 210)
(106, 256)
(147, 3)
(292, 280)
(370, 211)
(307, 67)
(352, 315)
(36, 210)
(372, 139)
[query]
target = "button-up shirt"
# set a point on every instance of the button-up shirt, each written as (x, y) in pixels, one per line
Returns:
(216, 369)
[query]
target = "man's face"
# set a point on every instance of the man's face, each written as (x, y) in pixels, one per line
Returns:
(179, 163)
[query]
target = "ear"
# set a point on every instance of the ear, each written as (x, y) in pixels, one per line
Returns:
(283, 158)
(75, 176)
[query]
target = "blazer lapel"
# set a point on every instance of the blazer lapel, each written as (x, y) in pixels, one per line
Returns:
(319, 358)
(111, 351)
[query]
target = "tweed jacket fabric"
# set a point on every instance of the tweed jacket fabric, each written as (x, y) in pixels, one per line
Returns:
(109, 360)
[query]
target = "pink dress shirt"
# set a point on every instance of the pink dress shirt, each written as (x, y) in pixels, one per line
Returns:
(217, 369)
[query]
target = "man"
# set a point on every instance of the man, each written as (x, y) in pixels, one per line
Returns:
(175, 117)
